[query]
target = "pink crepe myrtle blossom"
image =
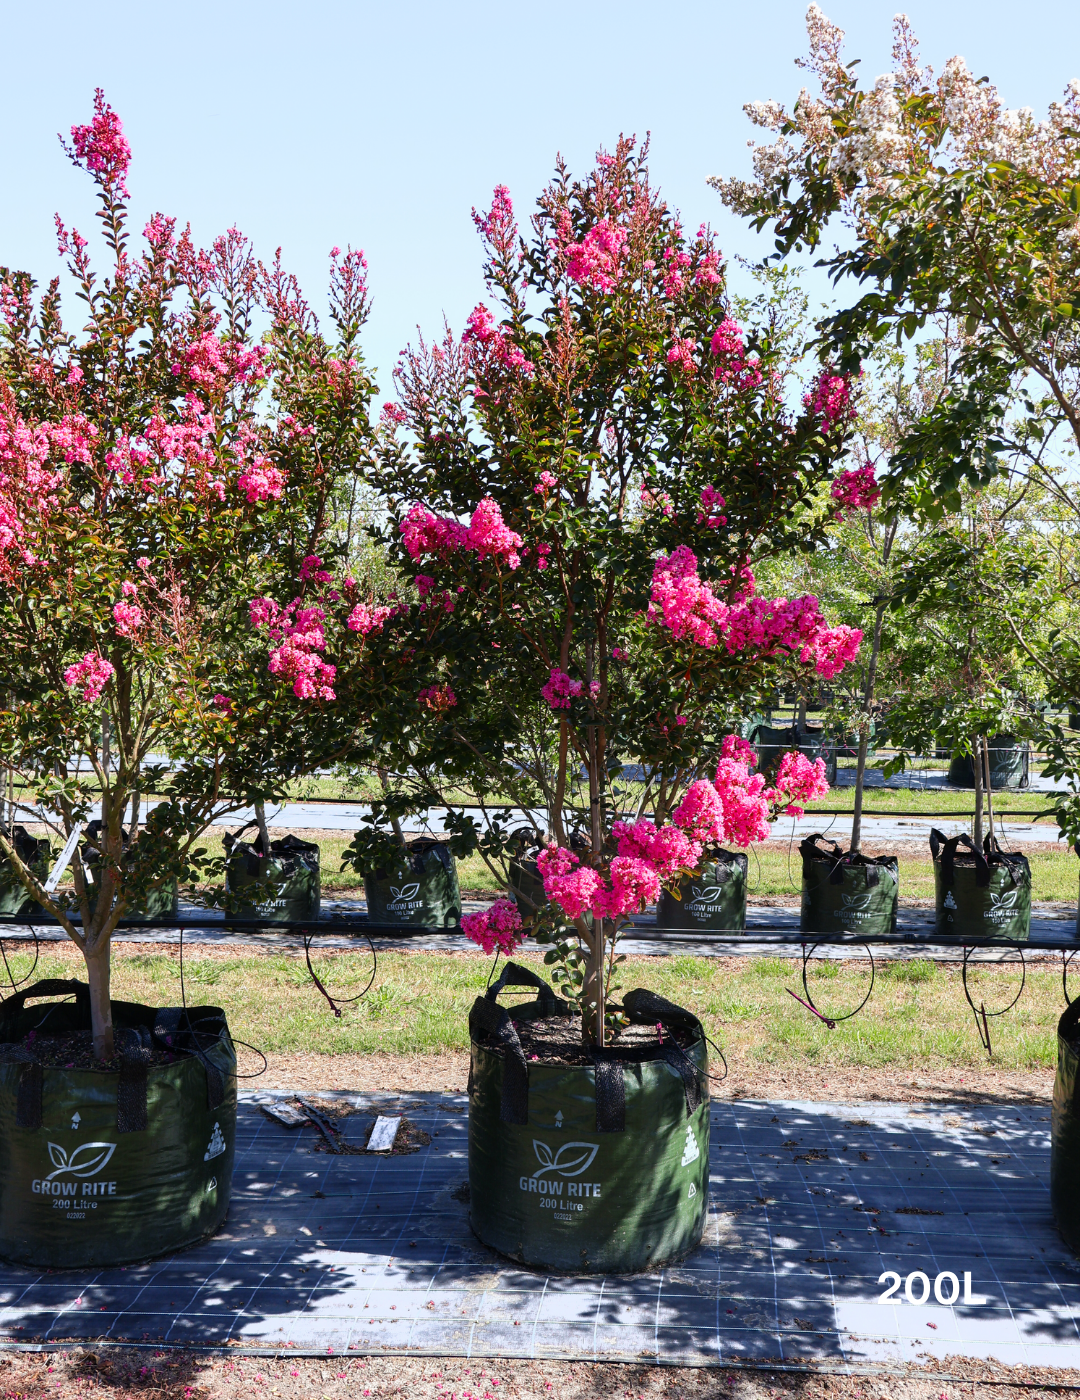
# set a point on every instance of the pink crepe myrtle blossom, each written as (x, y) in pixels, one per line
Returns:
(366, 618)
(542, 552)
(496, 927)
(437, 698)
(594, 262)
(711, 504)
(676, 261)
(619, 654)
(687, 606)
(708, 271)
(423, 533)
(312, 568)
(701, 813)
(830, 401)
(547, 483)
(488, 534)
(745, 800)
(101, 144)
(735, 367)
(91, 675)
(799, 781)
(127, 619)
(222, 703)
(736, 747)
(856, 490)
(681, 354)
(480, 328)
(567, 883)
(394, 414)
(559, 689)
(667, 849)
(634, 884)
(299, 632)
(261, 481)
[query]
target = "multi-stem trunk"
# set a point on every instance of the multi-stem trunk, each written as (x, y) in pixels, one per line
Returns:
(977, 767)
(864, 730)
(97, 953)
(592, 1018)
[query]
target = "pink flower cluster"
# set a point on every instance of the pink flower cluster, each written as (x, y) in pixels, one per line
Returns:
(261, 481)
(299, 632)
(215, 364)
(127, 619)
(681, 354)
(366, 618)
(481, 329)
(743, 796)
(711, 501)
(856, 490)
(647, 856)
(686, 605)
(437, 698)
(547, 483)
(559, 689)
(701, 813)
(675, 264)
(496, 927)
(735, 367)
(594, 262)
(394, 414)
(799, 781)
(486, 534)
(92, 674)
(433, 598)
(830, 400)
(102, 145)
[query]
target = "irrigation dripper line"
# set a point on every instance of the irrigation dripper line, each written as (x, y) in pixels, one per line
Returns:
(980, 1011)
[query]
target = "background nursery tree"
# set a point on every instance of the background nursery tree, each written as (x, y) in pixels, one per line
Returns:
(145, 501)
(591, 470)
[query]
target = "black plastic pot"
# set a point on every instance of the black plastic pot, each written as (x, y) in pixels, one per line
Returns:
(1010, 761)
(158, 904)
(713, 900)
(288, 883)
(101, 1167)
(980, 894)
(847, 893)
(597, 1168)
(421, 891)
(15, 903)
(1065, 1130)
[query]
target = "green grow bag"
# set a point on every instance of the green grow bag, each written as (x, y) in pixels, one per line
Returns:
(422, 892)
(713, 900)
(1010, 762)
(1065, 1130)
(846, 893)
(593, 1168)
(980, 894)
(526, 888)
(159, 904)
(15, 903)
(102, 1167)
(290, 878)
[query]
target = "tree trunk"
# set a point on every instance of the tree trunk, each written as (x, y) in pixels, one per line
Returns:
(264, 833)
(592, 1023)
(864, 730)
(976, 765)
(989, 788)
(98, 971)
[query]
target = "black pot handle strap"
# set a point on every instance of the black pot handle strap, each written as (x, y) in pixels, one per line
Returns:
(514, 975)
(48, 987)
(948, 858)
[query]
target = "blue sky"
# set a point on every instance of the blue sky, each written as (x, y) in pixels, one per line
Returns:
(382, 125)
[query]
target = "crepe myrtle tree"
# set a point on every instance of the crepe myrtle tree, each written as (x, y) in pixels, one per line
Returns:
(166, 566)
(585, 477)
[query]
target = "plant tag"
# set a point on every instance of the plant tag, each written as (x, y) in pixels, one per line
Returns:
(285, 1113)
(383, 1134)
(64, 859)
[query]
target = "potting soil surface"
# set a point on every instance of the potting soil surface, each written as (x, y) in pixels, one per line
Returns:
(815, 1211)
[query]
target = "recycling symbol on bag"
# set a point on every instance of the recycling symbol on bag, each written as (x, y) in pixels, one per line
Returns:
(691, 1152)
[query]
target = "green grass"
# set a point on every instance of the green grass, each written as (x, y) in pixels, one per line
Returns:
(917, 1016)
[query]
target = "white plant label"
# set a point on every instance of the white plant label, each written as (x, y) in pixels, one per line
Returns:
(383, 1134)
(64, 859)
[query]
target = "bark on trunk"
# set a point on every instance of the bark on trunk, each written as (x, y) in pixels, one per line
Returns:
(864, 731)
(264, 833)
(976, 764)
(98, 971)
